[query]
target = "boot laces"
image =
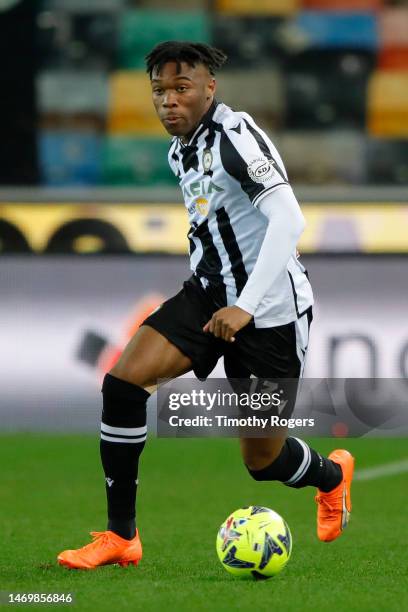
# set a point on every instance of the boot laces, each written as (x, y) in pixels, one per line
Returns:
(323, 502)
(102, 537)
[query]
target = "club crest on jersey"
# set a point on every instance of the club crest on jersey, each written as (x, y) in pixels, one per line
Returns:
(207, 159)
(261, 170)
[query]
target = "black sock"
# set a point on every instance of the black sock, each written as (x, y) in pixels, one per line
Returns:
(123, 435)
(299, 466)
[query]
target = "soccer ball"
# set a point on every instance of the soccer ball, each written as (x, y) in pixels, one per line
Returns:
(254, 541)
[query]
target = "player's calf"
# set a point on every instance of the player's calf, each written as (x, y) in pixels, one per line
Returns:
(298, 465)
(123, 436)
(258, 453)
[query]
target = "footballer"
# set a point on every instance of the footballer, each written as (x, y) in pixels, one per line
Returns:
(248, 299)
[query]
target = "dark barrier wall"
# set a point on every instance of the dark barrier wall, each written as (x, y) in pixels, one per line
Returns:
(64, 320)
(18, 158)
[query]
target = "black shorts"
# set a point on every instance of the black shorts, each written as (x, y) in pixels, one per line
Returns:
(273, 352)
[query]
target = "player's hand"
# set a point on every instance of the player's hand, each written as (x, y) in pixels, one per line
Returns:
(226, 322)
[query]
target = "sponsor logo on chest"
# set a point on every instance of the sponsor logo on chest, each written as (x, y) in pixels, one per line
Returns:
(200, 206)
(201, 188)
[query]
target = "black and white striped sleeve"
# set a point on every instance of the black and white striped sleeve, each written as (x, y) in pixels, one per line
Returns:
(248, 156)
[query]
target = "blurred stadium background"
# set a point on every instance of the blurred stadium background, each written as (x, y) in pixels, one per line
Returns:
(92, 225)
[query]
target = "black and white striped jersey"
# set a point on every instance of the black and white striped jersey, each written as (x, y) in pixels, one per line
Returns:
(227, 167)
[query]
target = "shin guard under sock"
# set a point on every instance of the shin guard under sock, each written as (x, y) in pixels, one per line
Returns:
(123, 436)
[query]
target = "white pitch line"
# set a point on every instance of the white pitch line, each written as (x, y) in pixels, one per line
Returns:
(379, 471)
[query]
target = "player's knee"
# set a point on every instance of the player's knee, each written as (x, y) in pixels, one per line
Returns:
(122, 372)
(116, 390)
(130, 373)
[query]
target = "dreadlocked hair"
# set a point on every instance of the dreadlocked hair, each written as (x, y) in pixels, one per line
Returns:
(184, 51)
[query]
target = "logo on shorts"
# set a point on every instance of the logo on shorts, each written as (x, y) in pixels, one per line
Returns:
(261, 169)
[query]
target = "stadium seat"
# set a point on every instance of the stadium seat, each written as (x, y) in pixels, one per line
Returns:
(140, 30)
(342, 30)
(323, 157)
(77, 33)
(69, 158)
(50, 50)
(393, 27)
(236, 88)
(69, 91)
(342, 5)
(131, 108)
(185, 5)
(90, 6)
(387, 161)
(249, 42)
(393, 58)
(327, 90)
(260, 7)
(94, 38)
(136, 161)
(393, 38)
(387, 104)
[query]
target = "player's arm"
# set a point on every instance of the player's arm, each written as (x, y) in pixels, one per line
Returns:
(251, 159)
(286, 224)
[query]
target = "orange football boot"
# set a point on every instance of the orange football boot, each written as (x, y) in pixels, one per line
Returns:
(334, 507)
(107, 547)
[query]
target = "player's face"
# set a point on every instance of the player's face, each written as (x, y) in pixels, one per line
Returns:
(182, 98)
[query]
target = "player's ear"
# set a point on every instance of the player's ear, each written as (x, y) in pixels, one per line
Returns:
(211, 87)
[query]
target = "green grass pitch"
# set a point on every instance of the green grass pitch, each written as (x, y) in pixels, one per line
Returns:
(52, 495)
